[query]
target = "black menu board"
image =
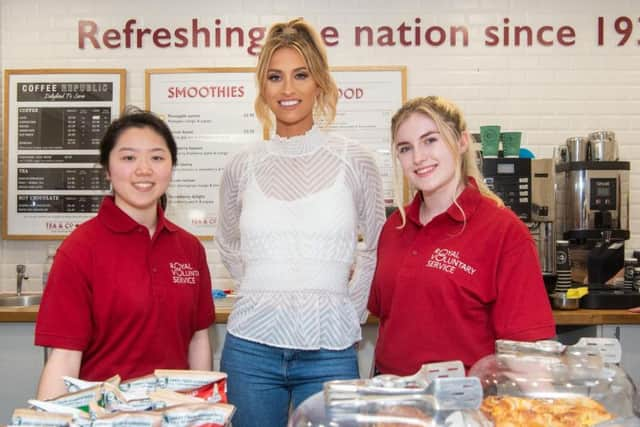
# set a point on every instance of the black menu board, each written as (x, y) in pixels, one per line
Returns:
(54, 120)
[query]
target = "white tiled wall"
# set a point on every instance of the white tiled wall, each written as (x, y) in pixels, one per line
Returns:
(550, 93)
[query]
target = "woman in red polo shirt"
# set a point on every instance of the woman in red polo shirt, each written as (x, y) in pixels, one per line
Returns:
(129, 291)
(456, 269)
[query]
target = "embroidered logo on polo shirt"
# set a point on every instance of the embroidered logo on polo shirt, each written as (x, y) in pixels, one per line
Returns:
(183, 273)
(448, 261)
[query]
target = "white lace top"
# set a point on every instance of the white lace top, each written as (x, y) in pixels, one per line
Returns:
(291, 211)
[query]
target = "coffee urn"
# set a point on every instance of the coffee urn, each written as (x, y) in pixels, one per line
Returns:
(593, 197)
(593, 215)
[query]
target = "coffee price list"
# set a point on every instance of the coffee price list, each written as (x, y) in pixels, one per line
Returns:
(56, 121)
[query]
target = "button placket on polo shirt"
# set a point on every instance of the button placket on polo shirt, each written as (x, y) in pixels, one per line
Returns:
(413, 259)
(425, 242)
(151, 268)
(153, 265)
(154, 258)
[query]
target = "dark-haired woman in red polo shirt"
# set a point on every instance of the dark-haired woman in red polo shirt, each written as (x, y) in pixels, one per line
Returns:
(128, 291)
(456, 269)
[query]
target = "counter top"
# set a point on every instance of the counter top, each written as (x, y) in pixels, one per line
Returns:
(29, 314)
(596, 317)
(18, 314)
(223, 308)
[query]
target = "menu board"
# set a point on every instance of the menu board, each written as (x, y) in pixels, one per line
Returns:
(54, 120)
(210, 112)
(368, 97)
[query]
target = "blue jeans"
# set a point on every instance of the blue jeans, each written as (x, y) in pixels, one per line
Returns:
(263, 381)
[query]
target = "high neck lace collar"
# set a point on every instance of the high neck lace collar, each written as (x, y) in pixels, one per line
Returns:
(297, 145)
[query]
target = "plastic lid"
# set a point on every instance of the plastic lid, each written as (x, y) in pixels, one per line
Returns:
(437, 395)
(544, 371)
(397, 412)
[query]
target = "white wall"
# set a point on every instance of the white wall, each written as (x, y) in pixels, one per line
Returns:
(550, 93)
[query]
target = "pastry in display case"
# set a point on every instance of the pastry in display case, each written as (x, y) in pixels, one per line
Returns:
(546, 383)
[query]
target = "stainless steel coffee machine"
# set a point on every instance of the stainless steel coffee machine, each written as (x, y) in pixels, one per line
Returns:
(593, 215)
(593, 189)
(527, 187)
(543, 215)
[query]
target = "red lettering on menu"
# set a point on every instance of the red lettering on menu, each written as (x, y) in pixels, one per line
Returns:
(350, 93)
(174, 92)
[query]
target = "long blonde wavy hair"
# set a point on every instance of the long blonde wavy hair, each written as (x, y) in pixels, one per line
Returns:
(303, 38)
(452, 126)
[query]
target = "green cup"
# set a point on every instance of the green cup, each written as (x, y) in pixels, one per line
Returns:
(511, 144)
(490, 140)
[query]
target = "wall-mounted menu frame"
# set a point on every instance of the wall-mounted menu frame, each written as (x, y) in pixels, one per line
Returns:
(369, 96)
(53, 122)
(210, 112)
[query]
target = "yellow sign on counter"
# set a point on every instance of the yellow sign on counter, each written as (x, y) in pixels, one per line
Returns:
(574, 293)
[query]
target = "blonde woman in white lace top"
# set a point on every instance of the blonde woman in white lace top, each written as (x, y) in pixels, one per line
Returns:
(291, 212)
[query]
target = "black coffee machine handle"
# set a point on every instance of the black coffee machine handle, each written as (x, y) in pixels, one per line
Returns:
(603, 219)
(605, 259)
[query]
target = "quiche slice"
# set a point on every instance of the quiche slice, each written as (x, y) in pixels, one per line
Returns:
(510, 411)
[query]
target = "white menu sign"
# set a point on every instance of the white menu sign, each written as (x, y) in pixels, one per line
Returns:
(210, 112)
(54, 122)
(368, 98)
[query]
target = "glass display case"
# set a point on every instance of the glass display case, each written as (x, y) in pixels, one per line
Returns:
(438, 395)
(547, 383)
(542, 383)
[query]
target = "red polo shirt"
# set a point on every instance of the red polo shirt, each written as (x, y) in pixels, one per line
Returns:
(129, 302)
(448, 290)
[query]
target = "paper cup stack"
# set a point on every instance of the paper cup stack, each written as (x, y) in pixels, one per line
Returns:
(563, 266)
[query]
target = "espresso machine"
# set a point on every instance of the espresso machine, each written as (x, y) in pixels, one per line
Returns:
(593, 215)
(527, 187)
